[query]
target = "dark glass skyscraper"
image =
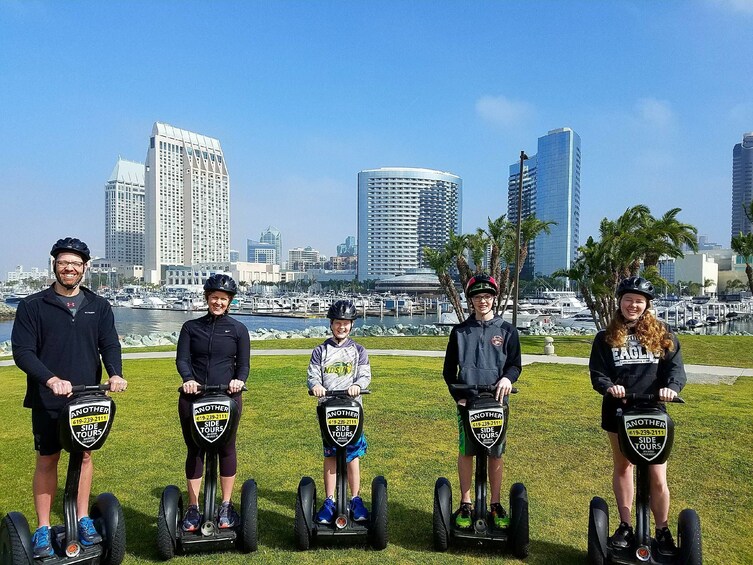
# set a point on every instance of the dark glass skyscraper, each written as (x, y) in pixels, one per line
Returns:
(742, 184)
(551, 191)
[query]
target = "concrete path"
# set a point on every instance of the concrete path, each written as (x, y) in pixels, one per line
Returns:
(699, 374)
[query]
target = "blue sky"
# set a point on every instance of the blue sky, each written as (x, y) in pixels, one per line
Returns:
(303, 95)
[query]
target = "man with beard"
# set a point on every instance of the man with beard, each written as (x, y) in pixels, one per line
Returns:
(59, 336)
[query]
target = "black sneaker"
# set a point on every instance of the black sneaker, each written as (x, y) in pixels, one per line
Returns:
(664, 542)
(463, 517)
(499, 517)
(623, 537)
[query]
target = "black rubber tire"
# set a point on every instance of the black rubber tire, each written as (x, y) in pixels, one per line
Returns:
(598, 528)
(12, 534)
(303, 534)
(378, 535)
(114, 529)
(249, 517)
(689, 538)
(519, 528)
(441, 535)
(167, 543)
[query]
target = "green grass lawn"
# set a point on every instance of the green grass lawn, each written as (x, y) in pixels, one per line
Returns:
(555, 447)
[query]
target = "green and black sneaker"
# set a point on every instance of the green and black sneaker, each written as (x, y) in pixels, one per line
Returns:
(463, 517)
(499, 517)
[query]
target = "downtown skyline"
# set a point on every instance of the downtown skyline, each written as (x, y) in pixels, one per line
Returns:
(304, 96)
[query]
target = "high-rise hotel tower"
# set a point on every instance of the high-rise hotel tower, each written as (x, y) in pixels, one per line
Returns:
(742, 184)
(124, 214)
(400, 212)
(551, 190)
(187, 201)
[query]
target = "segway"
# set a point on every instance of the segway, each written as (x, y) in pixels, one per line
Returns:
(214, 416)
(84, 424)
(340, 422)
(485, 421)
(645, 434)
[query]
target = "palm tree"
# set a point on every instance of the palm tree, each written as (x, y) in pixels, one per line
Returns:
(742, 244)
(440, 262)
(666, 236)
(455, 249)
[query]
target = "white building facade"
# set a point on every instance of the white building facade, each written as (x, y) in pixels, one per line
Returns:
(400, 212)
(187, 214)
(124, 214)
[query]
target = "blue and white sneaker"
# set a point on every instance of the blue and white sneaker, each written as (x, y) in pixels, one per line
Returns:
(87, 533)
(42, 544)
(326, 512)
(357, 510)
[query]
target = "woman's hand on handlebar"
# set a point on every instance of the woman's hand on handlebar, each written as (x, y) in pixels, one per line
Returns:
(667, 394)
(617, 391)
(354, 390)
(318, 391)
(236, 385)
(190, 387)
(504, 387)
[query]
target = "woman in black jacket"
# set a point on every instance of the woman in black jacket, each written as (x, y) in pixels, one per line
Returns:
(636, 354)
(212, 350)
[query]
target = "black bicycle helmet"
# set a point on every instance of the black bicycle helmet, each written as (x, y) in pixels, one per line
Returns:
(481, 283)
(71, 245)
(638, 285)
(221, 282)
(342, 310)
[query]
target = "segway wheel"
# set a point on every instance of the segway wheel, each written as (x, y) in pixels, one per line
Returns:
(598, 531)
(442, 514)
(689, 537)
(15, 540)
(249, 517)
(108, 516)
(305, 502)
(519, 531)
(378, 527)
(168, 522)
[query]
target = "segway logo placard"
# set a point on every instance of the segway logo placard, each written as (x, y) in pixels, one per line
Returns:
(647, 435)
(342, 424)
(486, 425)
(88, 423)
(211, 419)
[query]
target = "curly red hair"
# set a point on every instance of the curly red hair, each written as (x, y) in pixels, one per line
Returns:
(653, 334)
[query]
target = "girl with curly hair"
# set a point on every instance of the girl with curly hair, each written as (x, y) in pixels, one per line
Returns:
(636, 354)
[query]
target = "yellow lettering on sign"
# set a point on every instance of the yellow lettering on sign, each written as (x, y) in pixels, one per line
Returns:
(205, 417)
(342, 422)
(646, 432)
(486, 423)
(89, 419)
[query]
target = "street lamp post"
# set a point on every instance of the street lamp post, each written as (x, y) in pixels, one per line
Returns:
(516, 279)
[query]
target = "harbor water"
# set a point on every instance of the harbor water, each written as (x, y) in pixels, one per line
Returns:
(141, 321)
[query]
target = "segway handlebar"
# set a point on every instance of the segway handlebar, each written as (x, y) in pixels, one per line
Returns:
(90, 388)
(650, 398)
(340, 392)
(478, 388)
(212, 388)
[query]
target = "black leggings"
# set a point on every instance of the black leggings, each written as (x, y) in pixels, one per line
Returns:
(195, 455)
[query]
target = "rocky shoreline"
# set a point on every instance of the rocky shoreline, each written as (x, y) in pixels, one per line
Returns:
(322, 332)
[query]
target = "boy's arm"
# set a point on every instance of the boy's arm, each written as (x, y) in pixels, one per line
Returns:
(363, 369)
(513, 363)
(450, 370)
(314, 372)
